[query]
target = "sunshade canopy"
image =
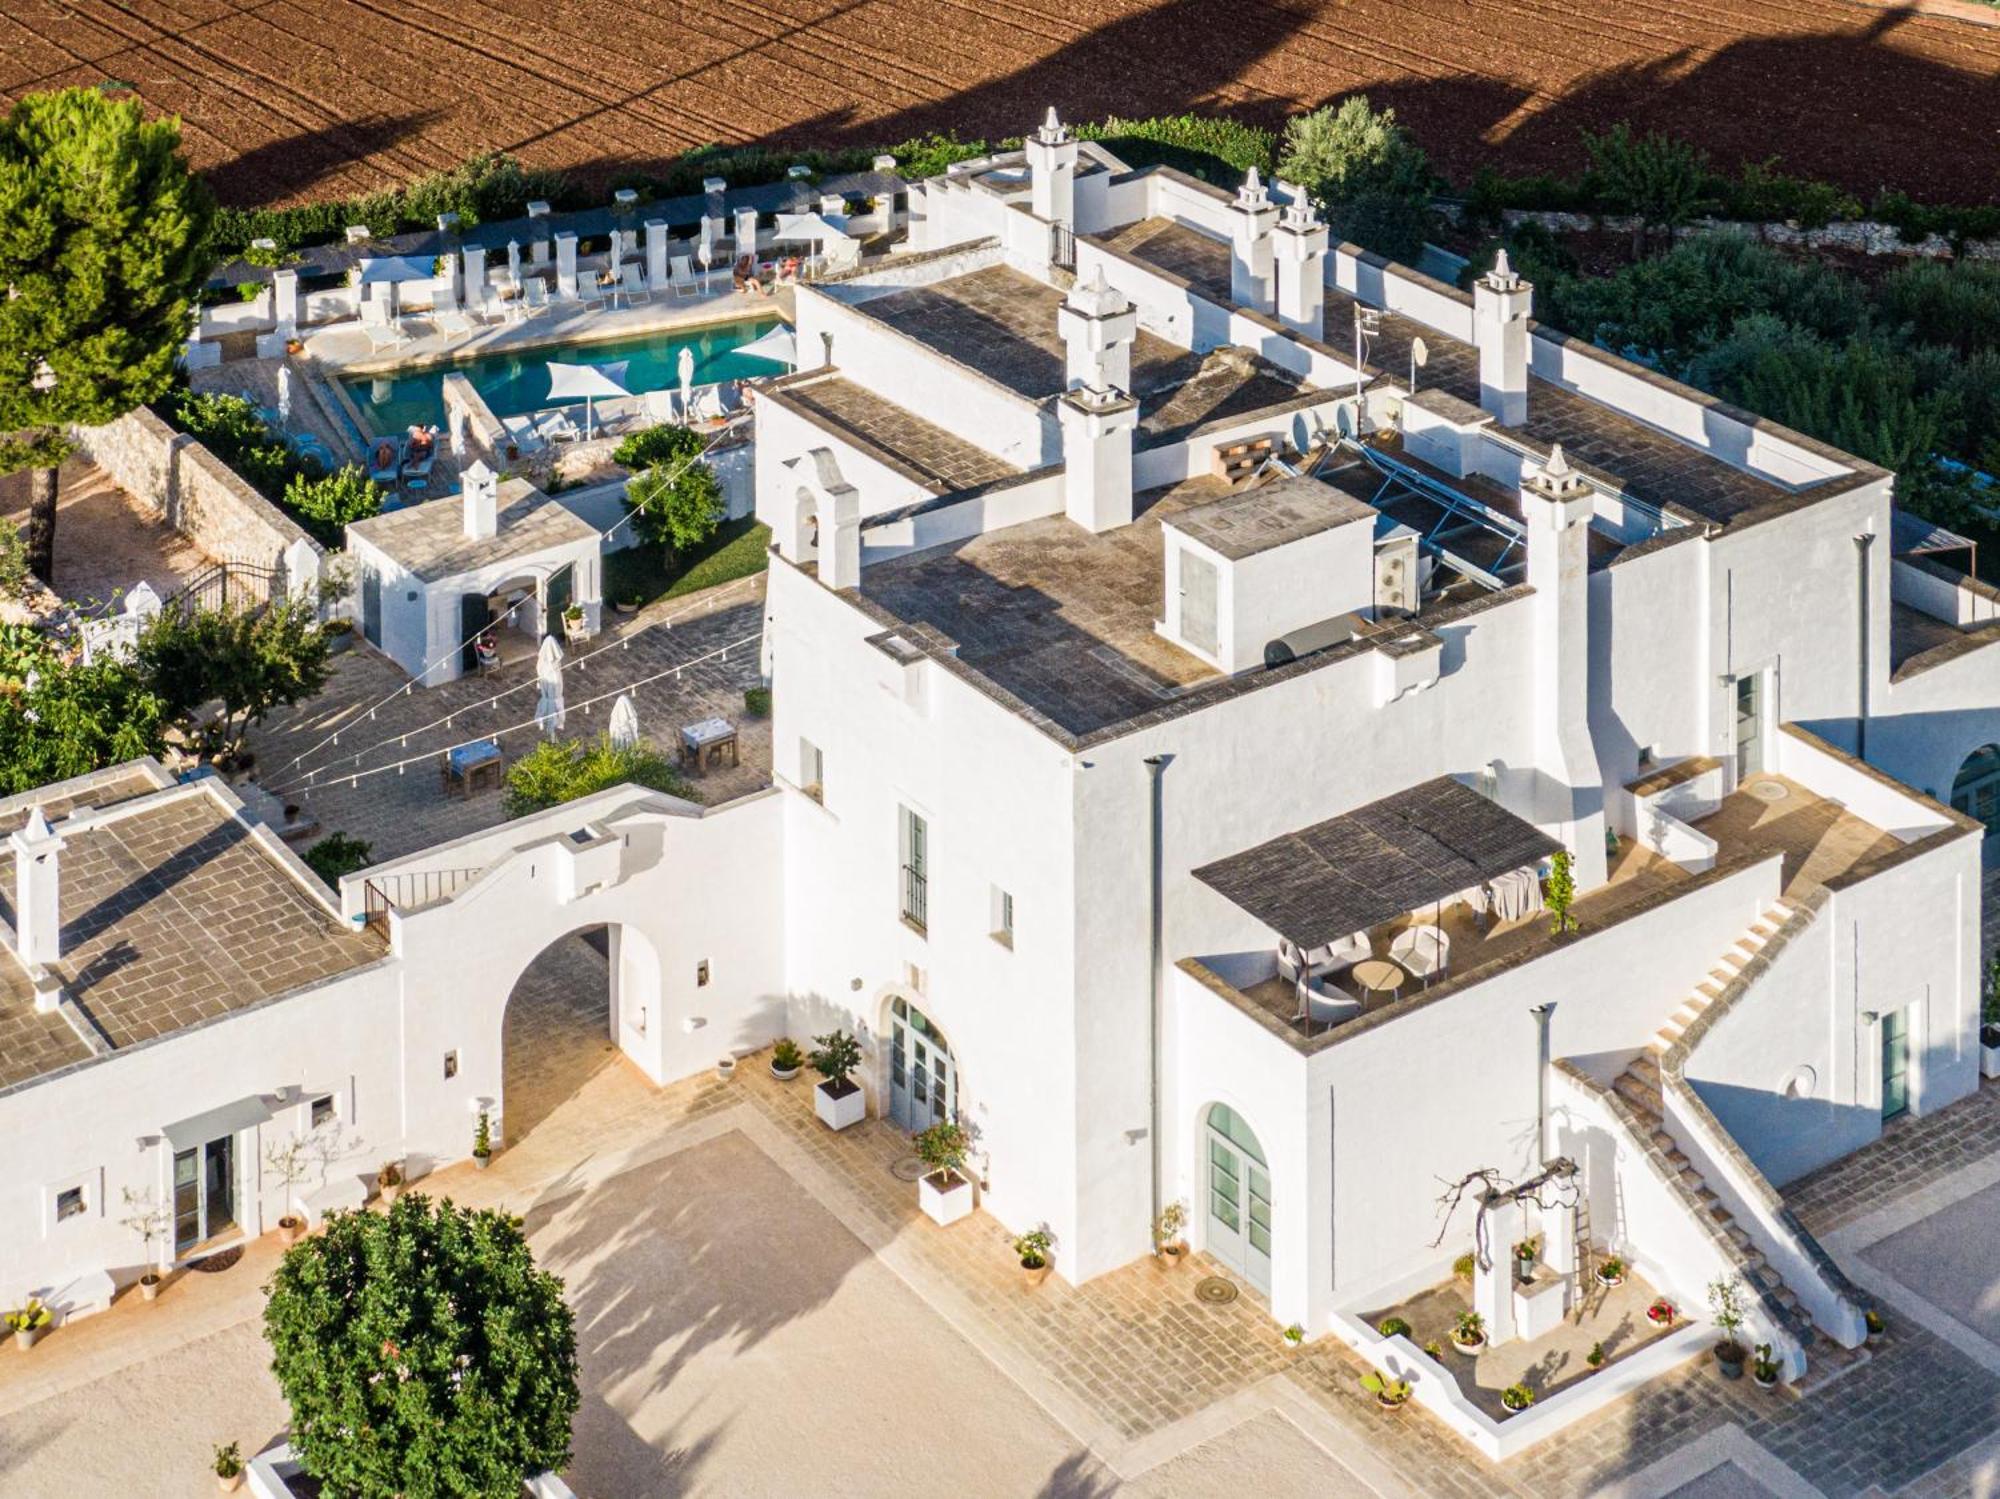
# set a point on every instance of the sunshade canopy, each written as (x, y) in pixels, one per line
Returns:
(580, 382)
(808, 226)
(1381, 861)
(390, 269)
(780, 345)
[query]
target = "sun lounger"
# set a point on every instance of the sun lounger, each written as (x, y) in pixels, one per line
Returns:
(588, 291)
(385, 461)
(419, 458)
(452, 321)
(523, 433)
(683, 280)
(556, 426)
(633, 285)
(537, 295)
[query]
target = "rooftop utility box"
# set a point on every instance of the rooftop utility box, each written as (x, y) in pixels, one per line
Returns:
(1253, 566)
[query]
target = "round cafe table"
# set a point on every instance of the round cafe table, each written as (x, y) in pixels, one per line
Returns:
(1375, 976)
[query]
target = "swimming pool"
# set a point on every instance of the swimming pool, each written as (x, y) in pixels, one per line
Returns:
(516, 383)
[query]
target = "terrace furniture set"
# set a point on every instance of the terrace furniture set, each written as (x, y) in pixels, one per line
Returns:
(702, 743)
(470, 768)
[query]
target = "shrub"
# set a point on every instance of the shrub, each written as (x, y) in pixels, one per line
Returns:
(1463, 1266)
(1662, 180)
(422, 1352)
(74, 720)
(1365, 171)
(835, 1056)
(757, 702)
(327, 503)
(561, 770)
(336, 855)
(1393, 1327)
(655, 445)
(1215, 149)
(230, 427)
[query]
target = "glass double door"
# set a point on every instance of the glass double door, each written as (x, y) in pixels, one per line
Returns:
(923, 1089)
(1239, 1198)
(204, 1193)
(1895, 1063)
(1749, 727)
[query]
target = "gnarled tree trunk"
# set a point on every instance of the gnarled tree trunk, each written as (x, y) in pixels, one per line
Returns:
(41, 540)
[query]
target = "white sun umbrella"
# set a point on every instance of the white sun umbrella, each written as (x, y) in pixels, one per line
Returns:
(686, 365)
(624, 722)
(393, 270)
(548, 678)
(284, 395)
(514, 263)
(587, 383)
(780, 346)
(617, 250)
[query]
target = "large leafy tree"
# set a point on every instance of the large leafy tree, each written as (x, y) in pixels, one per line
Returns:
(103, 236)
(250, 661)
(58, 721)
(423, 1354)
(677, 501)
(1365, 171)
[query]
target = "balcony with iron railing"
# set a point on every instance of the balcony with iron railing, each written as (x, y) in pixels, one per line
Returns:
(409, 891)
(916, 898)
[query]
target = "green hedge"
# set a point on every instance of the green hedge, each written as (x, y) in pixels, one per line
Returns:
(1213, 148)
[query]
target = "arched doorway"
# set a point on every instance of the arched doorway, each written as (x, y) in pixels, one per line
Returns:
(1976, 791)
(1239, 1196)
(557, 1032)
(923, 1082)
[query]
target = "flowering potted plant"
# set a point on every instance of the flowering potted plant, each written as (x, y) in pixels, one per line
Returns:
(1524, 1259)
(1517, 1397)
(838, 1100)
(1168, 1245)
(1661, 1313)
(1036, 1251)
(1611, 1272)
(944, 1191)
(1468, 1333)
(1391, 1393)
(389, 1182)
(1725, 1304)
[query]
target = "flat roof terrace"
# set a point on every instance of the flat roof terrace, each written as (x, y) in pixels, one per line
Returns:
(940, 459)
(1060, 618)
(1004, 325)
(1618, 449)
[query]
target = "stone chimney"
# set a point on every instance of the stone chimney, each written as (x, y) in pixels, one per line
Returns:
(1252, 216)
(1557, 505)
(481, 497)
(1099, 326)
(1299, 247)
(1052, 152)
(37, 890)
(1501, 303)
(1097, 427)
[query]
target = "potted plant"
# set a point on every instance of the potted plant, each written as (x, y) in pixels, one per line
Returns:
(1595, 1358)
(1036, 1251)
(1611, 1272)
(295, 346)
(389, 1182)
(757, 702)
(27, 1322)
(146, 1218)
(1433, 1349)
(1517, 1397)
(838, 1101)
(630, 605)
(229, 1468)
(482, 1141)
(1463, 1267)
(1989, 1021)
(1391, 1393)
(572, 619)
(1295, 1337)
(725, 1068)
(1468, 1332)
(1661, 1313)
(944, 1191)
(1725, 1305)
(1875, 1324)
(290, 1159)
(1168, 1245)
(1525, 1253)
(1763, 1367)
(786, 1059)
(1393, 1327)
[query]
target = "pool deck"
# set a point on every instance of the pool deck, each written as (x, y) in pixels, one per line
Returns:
(344, 349)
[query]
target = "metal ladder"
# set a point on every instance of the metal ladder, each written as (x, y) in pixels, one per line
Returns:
(1586, 1280)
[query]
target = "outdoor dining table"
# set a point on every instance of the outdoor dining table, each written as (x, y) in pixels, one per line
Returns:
(702, 743)
(1375, 976)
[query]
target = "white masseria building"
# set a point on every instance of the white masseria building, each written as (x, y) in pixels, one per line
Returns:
(1167, 711)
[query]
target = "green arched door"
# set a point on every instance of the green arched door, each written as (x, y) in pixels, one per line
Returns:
(1239, 1196)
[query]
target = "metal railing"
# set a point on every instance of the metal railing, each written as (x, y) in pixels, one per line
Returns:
(410, 891)
(223, 584)
(1062, 246)
(916, 898)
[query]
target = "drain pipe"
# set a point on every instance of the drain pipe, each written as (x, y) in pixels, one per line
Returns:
(1542, 1014)
(1861, 545)
(1156, 765)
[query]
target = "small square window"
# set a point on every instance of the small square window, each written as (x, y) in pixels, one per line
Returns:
(450, 1065)
(1002, 919)
(701, 974)
(322, 1111)
(812, 770)
(70, 1204)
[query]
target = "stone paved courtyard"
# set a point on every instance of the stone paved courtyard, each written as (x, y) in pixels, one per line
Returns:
(106, 541)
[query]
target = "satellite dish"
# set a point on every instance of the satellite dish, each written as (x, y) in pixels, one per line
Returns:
(1420, 353)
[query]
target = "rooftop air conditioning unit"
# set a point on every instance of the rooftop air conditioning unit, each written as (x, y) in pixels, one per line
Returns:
(1397, 588)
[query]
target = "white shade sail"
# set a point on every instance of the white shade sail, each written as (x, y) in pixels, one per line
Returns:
(586, 382)
(780, 345)
(391, 269)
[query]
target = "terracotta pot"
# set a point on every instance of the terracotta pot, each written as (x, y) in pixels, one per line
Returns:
(1034, 1275)
(390, 1192)
(1171, 1255)
(230, 1484)
(290, 1230)
(149, 1286)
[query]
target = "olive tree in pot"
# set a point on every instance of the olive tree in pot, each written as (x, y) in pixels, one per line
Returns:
(1168, 1244)
(1725, 1305)
(839, 1100)
(944, 1191)
(289, 1159)
(145, 1217)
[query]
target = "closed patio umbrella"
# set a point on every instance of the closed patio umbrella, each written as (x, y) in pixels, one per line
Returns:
(587, 383)
(548, 679)
(686, 370)
(456, 421)
(514, 263)
(284, 394)
(624, 722)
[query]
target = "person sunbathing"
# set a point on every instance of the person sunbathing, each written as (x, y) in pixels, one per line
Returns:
(421, 439)
(745, 275)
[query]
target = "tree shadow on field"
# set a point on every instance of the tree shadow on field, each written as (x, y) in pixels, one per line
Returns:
(292, 166)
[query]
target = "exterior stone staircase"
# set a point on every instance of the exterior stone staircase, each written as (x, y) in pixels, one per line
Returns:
(1640, 1092)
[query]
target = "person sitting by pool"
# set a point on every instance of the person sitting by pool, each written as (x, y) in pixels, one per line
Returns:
(745, 275)
(788, 268)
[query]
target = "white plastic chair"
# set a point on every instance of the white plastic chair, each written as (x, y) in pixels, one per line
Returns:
(683, 278)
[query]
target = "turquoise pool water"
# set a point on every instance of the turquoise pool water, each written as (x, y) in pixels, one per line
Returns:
(517, 383)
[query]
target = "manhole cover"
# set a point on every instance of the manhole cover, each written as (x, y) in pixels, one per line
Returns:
(908, 1169)
(218, 1262)
(1769, 791)
(1215, 1290)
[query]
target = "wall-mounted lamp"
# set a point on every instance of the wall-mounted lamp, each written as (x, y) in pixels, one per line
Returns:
(1869, 1017)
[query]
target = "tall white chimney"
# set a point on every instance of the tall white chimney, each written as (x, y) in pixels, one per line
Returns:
(1052, 154)
(1299, 247)
(1097, 427)
(1501, 303)
(1099, 326)
(1557, 505)
(37, 889)
(481, 497)
(1251, 218)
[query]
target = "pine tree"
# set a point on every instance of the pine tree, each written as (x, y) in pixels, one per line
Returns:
(103, 245)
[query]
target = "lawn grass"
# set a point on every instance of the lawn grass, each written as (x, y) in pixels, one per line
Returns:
(738, 549)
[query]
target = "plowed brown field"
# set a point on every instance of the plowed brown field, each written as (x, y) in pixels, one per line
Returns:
(290, 98)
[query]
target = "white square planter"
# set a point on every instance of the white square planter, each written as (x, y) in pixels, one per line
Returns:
(945, 1205)
(1989, 1061)
(837, 1113)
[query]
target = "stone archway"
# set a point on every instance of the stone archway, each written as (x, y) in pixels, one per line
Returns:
(1976, 789)
(563, 1018)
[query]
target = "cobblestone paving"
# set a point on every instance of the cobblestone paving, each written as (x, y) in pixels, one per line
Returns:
(557, 1034)
(1912, 1153)
(400, 811)
(106, 541)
